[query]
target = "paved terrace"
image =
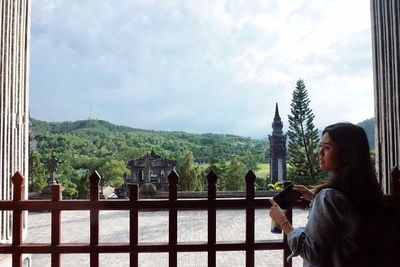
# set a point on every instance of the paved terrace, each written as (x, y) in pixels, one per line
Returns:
(153, 227)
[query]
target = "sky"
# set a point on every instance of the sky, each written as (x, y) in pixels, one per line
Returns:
(209, 66)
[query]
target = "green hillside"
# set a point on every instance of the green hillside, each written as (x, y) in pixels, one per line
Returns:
(100, 138)
(84, 146)
(88, 145)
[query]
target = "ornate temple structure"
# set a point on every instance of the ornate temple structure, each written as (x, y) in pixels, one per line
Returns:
(151, 169)
(277, 149)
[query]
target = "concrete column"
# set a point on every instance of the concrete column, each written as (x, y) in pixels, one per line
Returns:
(14, 114)
(386, 57)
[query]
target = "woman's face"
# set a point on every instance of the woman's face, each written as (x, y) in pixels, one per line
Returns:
(327, 154)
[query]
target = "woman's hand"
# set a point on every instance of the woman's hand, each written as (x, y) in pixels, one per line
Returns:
(306, 193)
(277, 214)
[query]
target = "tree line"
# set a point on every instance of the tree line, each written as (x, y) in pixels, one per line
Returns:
(88, 145)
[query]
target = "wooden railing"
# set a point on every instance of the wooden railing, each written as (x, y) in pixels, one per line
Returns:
(56, 204)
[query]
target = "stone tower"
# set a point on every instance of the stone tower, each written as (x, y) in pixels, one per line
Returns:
(277, 149)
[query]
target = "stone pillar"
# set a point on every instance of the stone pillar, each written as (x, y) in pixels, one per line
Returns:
(385, 16)
(277, 150)
(14, 121)
(14, 104)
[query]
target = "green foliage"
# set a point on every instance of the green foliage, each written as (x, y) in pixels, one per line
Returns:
(189, 174)
(260, 183)
(219, 167)
(84, 185)
(70, 189)
(231, 177)
(262, 170)
(262, 176)
(276, 186)
(303, 160)
(88, 145)
(113, 171)
(37, 176)
(68, 177)
(85, 146)
(234, 178)
(96, 138)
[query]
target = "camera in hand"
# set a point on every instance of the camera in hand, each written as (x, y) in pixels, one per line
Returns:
(286, 197)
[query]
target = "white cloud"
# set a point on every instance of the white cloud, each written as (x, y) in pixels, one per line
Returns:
(200, 66)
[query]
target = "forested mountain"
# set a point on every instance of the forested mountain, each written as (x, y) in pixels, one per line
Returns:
(100, 138)
(84, 146)
(88, 145)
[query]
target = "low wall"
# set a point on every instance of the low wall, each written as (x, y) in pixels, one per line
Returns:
(185, 194)
(203, 194)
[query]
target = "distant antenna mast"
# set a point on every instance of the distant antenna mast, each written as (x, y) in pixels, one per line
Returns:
(90, 111)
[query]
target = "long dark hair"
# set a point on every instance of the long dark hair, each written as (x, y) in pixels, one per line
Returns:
(355, 176)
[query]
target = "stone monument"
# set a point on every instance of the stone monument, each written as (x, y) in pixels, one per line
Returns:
(52, 163)
(277, 150)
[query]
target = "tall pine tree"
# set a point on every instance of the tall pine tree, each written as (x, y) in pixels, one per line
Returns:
(303, 159)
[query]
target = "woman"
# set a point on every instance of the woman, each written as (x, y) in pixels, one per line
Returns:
(330, 236)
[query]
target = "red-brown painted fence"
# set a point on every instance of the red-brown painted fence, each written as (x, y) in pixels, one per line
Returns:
(56, 204)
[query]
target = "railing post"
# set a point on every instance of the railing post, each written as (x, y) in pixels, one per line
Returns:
(94, 218)
(212, 223)
(134, 225)
(18, 182)
(173, 218)
(55, 226)
(250, 179)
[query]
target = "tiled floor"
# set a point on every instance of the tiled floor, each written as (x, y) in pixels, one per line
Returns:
(153, 226)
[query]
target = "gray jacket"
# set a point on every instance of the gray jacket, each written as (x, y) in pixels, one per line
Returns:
(328, 237)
